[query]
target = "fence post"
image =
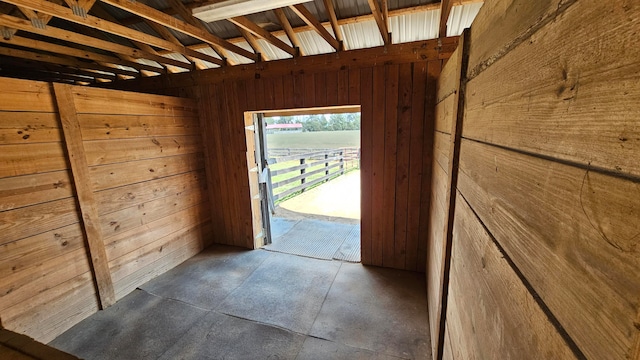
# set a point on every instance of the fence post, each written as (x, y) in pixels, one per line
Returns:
(341, 162)
(326, 165)
(302, 171)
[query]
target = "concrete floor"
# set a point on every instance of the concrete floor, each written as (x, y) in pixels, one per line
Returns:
(227, 303)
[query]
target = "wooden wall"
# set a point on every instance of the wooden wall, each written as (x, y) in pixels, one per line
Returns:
(396, 90)
(393, 130)
(46, 283)
(138, 169)
(543, 249)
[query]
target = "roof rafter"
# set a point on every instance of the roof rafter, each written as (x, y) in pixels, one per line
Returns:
(253, 42)
(311, 20)
(445, 10)
(333, 19)
(256, 30)
(167, 35)
(28, 55)
(382, 24)
(288, 29)
(52, 32)
(69, 51)
(169, 21)
(186, 15)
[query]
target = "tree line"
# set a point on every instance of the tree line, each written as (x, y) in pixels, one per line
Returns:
(332, 122)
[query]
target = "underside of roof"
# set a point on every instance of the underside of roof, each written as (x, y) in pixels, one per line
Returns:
(89, 41)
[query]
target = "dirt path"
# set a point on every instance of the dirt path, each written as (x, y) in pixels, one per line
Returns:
(337, 198)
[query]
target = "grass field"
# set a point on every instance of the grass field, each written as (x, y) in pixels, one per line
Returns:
(315, 140)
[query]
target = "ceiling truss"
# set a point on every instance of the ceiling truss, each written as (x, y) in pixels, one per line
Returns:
(93, 46)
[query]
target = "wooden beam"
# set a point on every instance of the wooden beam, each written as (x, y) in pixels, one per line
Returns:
(186, 14)
(69, 51)
(167, 35)
(177, 25)
(256, 30)
(96, 23)
(28, 55)
(253, 42)
(445, 10)
(288, 29)
(385, 12)
(460, 61)
(52, 32)
(436, 49)
(382, 25)
(311, 20)
(81, 178)
(333, 19)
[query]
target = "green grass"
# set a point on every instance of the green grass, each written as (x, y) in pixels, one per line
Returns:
(315, 140)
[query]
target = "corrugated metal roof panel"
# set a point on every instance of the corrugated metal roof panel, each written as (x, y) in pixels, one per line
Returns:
(237, 59)
(313, 44)
(414, 27)
(461, 18)
(361, 35)
(274, 53)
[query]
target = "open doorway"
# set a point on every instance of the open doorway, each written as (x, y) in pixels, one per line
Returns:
(311, 181)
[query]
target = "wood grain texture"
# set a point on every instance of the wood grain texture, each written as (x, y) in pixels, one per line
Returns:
(100, 101)
(491, 314)
(115, 175)
(21, 191)
(32, 348)
(29, 127)
(501, 25)
(103, 152)
(567, 229)
(133, 195)
(366, 164)
(34, 158)
(88, 207)
(390, 149)
(26, 95)
(581, 106)
(101, 127)
(378, 170)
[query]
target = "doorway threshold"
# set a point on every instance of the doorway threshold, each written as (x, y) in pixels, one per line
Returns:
(319, 238)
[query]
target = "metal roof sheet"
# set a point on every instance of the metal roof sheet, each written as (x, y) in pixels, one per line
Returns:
(461, 18)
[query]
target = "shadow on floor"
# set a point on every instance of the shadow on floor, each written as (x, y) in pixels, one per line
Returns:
(228, 303)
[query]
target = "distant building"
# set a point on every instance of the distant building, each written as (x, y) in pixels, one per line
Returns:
(276, 128)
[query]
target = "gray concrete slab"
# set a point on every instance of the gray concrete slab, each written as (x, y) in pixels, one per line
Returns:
(285, 291)
(219, 336)
(208, 278)
(139, 326)
(381, 310)
(314, 349)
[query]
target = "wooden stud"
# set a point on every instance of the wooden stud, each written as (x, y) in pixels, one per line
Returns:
(88, 207)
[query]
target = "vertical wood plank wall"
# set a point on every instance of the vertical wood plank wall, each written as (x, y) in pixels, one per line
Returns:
(545, 255)
(396, 154)
(46, 284)
(146, 175)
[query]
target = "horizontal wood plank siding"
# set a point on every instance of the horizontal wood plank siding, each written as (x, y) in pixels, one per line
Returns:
(145, 169)
(545, 229)
(43, 260)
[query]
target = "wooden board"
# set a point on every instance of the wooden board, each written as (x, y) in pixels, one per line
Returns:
(491, 314)
(441, 150)
(26, 95)
(32, 348)
(114, 175)
(32, 220)
(139, 193)
(20, 191)
(568, 231)
(100, 101)
(501, 25)
(29, 127)
(33, 158)
(101, 127)
(444, 113)
(366, 164)
(390, 148)
(102, 152)
(580, 107)
(377, 173)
